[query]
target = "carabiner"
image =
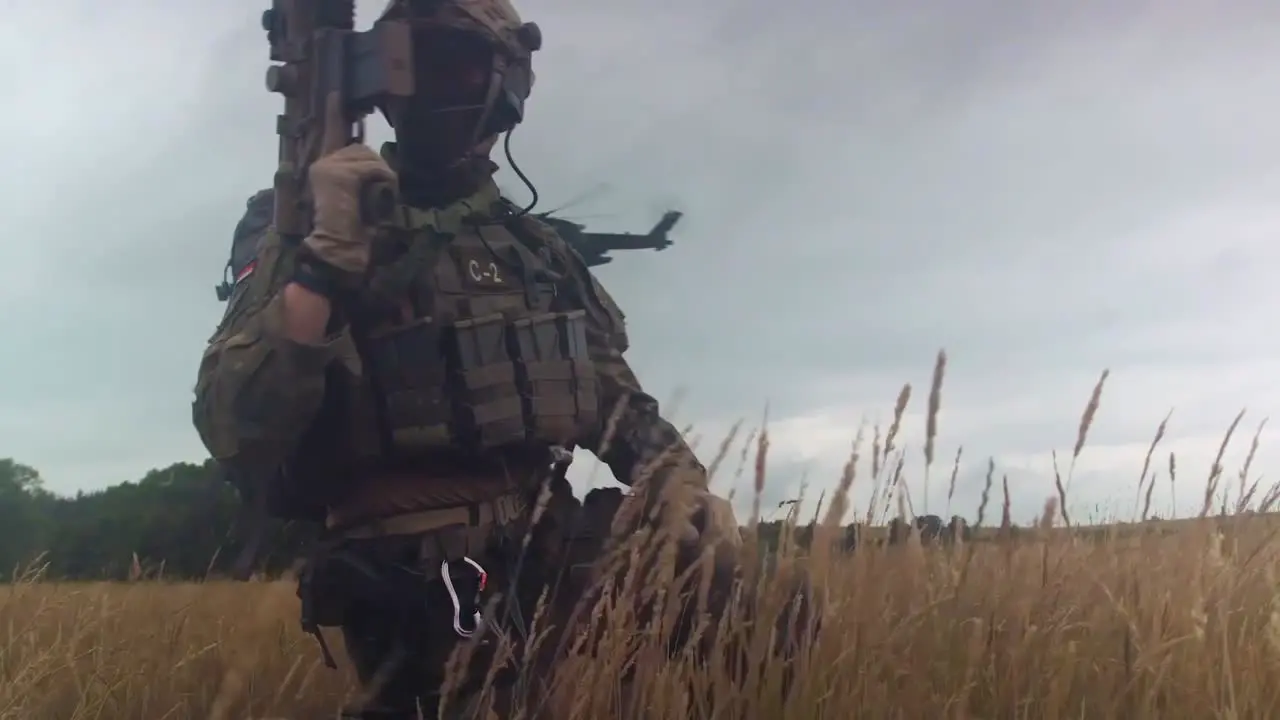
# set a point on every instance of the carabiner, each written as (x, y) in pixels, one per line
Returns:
(477, 617)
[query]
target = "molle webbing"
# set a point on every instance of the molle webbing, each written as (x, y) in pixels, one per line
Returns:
(470, 351)
(417, 236)
(500, 512)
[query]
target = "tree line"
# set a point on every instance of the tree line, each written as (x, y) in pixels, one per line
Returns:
(181, 522)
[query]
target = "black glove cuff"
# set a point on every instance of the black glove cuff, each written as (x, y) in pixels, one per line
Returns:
(318, 278)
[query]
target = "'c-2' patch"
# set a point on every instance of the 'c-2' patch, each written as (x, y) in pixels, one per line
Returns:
(481, 270)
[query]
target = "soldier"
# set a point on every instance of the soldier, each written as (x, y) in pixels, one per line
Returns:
(414, 383)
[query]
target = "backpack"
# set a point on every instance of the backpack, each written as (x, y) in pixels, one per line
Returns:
(255, 511)
(258, 214)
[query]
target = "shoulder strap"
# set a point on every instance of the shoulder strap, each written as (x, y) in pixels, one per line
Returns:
(427, 232)
(449, 219)
(244, 241)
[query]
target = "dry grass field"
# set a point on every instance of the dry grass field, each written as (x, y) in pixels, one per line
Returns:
(1183, 622)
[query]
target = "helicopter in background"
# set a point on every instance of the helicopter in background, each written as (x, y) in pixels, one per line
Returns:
(594, 247)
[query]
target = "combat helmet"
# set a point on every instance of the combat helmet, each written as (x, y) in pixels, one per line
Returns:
(497, 22)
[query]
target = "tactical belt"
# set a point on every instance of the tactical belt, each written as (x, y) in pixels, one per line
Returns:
(501, 511)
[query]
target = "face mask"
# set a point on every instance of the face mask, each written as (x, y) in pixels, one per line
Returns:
(440, 124)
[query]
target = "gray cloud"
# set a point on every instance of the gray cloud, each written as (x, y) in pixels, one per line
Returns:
(1044, 189)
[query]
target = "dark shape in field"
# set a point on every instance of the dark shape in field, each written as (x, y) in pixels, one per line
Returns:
(959, 528)
(930, 529)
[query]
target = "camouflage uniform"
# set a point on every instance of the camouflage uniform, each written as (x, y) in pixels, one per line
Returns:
(424, 469)
(259, 395)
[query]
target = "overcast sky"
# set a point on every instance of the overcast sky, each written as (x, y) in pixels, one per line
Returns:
(1044, 189)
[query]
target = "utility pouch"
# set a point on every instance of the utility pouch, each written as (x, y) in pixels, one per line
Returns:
(330, 582)
(483, 387)
(561, 390)
(411, 372)
(328, 585)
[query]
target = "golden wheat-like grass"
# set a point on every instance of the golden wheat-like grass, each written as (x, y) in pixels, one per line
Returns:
(1146, 620)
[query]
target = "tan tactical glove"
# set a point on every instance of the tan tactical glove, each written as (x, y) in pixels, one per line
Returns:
(340, 180)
